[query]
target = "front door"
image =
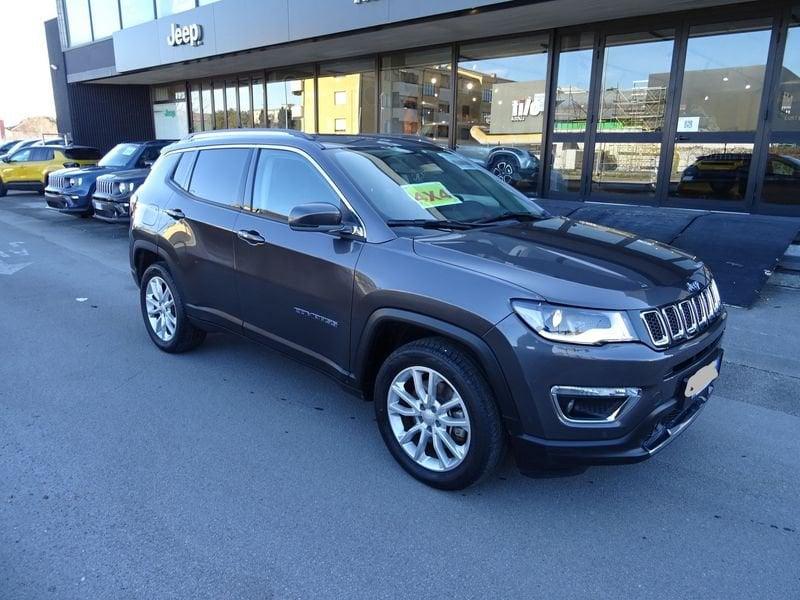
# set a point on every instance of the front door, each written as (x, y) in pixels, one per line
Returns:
(295, 288)
(202, 235)
(18, 168)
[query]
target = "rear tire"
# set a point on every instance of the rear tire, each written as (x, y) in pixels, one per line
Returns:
(448, 434)
(164, 314)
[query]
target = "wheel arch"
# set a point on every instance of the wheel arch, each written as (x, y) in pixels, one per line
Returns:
(388, 328)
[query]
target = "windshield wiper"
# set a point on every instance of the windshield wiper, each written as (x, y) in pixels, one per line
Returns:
(430, 223)
(509, 216)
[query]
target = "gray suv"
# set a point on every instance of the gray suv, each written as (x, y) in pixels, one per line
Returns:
(473, 319)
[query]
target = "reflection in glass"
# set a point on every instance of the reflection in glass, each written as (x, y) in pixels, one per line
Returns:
(196, 107)
(500, 106)
(245, 114)
(572, 84)
(219, 105)
(231, 105)
(635, 79)
(105, 17)
(787, 117)
(417, 94)
(78, 21)
(567, 168)
(723, 81)
(347, 97)
(170, 7)
(135, 12)
(625, 168)
(208, 107)
(259, 103)
(710, 171)
(290, 100)
(782, 179)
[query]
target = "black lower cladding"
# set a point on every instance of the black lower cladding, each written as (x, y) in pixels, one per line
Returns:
(108, 210)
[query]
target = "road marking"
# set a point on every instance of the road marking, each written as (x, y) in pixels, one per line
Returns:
(10, 269)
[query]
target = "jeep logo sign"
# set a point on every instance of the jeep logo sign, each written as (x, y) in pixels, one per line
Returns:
(188, 34)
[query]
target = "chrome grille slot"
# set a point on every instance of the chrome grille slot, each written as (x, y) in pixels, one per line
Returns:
(700, 310)
(656, 327)
(105, 187)
(688, 316)
(673, 321)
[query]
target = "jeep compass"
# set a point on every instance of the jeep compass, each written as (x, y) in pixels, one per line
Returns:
(473, 319)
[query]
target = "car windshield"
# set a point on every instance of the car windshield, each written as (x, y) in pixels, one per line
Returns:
(119, 156)
(431, 185)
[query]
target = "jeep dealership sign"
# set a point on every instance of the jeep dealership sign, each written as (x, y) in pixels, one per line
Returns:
(191, 35)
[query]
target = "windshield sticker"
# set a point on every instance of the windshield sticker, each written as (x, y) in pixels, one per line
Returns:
(128, 150)
(430, 194)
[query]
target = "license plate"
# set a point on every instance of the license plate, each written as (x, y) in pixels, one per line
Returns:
(698, 382)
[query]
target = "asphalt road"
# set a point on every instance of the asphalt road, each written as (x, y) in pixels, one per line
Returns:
(232, 472)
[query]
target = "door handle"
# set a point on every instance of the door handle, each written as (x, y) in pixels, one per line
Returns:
(175, 213)
(251, 237)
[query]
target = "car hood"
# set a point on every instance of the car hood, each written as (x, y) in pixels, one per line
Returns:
(571, 262)
(88, 172)
(130, 175)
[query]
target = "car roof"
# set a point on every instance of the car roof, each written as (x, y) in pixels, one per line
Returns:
(298, 139)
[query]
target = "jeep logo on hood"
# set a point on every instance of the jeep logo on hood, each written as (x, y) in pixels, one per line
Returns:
(693, 286)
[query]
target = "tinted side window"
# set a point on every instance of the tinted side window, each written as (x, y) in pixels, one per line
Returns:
(285, 180)
(41, 154)
(184, 169)
(21, 156)
(218, 175)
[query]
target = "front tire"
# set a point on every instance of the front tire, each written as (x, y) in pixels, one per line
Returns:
(505, 168)
(164, 314)
(437, 414)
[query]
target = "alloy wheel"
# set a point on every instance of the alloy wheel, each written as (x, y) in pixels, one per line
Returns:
(504, 170)
(161, 313)
(428, 418)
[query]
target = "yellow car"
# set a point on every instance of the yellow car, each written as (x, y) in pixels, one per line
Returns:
(28, 168)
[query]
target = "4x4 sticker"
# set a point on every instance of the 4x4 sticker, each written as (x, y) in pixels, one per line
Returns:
(430, 194)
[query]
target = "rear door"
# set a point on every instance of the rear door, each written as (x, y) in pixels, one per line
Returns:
(295, 288)
(201, 235)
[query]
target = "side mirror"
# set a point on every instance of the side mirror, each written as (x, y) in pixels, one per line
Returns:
(316, 216)
(146, 164)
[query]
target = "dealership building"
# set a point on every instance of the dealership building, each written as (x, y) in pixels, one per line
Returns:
(684, 103)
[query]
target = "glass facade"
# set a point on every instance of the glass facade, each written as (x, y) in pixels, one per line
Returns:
(170, 112)
(417, 94)
(667, 111)
(88, 20)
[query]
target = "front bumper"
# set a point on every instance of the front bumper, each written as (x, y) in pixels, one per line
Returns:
(112, 211)
(532, 366)
(69, 202)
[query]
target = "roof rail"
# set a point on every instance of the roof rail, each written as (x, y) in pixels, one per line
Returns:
(199, 135)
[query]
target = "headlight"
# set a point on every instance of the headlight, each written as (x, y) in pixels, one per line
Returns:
(75, 181)
(575, 325)
(126, 188)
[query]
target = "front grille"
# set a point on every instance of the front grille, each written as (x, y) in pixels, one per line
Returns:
(105, 187)
(686, 319)
(57, 181)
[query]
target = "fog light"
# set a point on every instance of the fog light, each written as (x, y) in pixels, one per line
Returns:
(592, 405)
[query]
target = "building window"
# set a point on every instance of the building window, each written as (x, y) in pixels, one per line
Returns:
(347, 95)
(787, 117)
(208, 105)
(501, 92)
(723, 78)
(290, 99)
(196, 107)
(79, 24)
(414, 86)
(170, 7)
(245, 110)
(135, 12)
(572, 84)
(170, 113)
(259, 103)
(105, 17)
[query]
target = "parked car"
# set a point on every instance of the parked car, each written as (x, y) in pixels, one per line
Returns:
(467, 313)
(720, 175)
(111, 200)
(29, 168)
(14, 146)
(7, 145)
(71, 190)
(511, 164)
